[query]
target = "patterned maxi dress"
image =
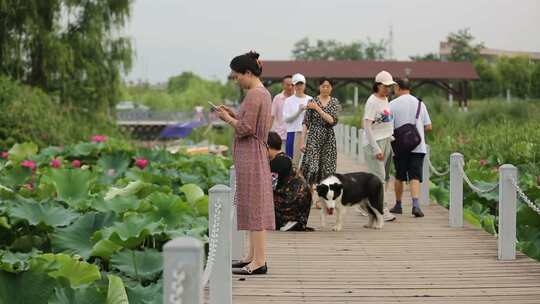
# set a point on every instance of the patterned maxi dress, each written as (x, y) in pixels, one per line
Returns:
(255, 206)
(320, 156)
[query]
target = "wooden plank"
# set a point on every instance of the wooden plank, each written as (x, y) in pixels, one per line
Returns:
(410, 260)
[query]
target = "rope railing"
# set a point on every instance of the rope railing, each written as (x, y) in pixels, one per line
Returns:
(435, 171)
(179, 276)
(473, 186)
(212, 243)
(184, 275)
(533, 205)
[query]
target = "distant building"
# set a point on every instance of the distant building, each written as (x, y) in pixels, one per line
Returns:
(445, 50)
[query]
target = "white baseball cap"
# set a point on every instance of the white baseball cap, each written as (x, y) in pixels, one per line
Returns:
(296, 78)
(384, 77)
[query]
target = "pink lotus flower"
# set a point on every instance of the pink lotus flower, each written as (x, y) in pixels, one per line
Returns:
(28, 186)
(482, 162)
(386, 112)
(4, 155)
(141, 163)
(99, 138)
(56, 163)
(76, 163)
(29, 164)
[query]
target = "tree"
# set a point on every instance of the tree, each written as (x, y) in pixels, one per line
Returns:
(535, 80)
(515, 74)
(334, 50)
(489, 84)
(70, 48)
(426, 57)
(462, 46)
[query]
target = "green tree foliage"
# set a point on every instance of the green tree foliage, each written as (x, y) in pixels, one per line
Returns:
(463, 47)
(426, 57)
(29, 114)
(489, 84)
(71, 48)
(535, 80)
(334, 50)
(515, 73)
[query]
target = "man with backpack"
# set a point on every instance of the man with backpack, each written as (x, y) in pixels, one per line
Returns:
(411, 119)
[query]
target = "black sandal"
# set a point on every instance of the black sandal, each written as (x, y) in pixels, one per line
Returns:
(246, 271)
(239, 264)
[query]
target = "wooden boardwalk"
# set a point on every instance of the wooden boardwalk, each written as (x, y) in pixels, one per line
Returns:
(408, 261)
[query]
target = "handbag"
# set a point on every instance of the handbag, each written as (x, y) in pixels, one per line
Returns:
(407, 137)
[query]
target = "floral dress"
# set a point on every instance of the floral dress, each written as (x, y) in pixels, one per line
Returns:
(320, 155)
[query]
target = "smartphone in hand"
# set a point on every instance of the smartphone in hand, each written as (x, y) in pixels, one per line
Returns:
(213, 106)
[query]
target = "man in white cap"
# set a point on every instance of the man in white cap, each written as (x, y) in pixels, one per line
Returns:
(293, 115)
(378, 123)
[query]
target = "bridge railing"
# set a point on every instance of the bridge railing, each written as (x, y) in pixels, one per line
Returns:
(184, 277)
(143, 115)
(349, 142)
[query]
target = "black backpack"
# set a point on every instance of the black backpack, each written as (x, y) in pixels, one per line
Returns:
(407, 137)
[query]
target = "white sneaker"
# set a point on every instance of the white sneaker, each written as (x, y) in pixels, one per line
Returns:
(360, 211)
(288, 226)
(387, 216)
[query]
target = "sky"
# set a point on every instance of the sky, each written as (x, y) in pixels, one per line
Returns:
(173, 36)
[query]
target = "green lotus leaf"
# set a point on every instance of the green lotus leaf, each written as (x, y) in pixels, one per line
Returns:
(15, 176)
(47, 213)
(192, 192)
(143, 265)
(116, 293)
(20, 152)
(82, 295)
(76, 239)
(131, 231)
(83, 149)
(105, 249)
(118, 205)
(72, 185)
(16, 261)
(25, 287)
(131, 189)
(113, 166)
(75, 271)
(170, 208)
(152, 294)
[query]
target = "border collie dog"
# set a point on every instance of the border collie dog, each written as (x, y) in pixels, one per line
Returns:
(340, 190)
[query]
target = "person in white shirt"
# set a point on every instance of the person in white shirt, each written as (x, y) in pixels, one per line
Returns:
(378, 129)
(278, 124)
(293, 115)
(409, 165)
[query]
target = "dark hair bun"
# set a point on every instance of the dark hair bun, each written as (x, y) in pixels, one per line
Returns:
(247, 62)
(253, 55)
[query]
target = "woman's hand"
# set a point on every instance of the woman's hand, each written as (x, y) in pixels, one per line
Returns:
(223, 115)
(224, 108)
(303, 148)
(313, 106)
(379, 156)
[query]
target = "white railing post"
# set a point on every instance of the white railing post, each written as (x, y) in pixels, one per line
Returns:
(456, 190)
(354, 142)
(183, 260)
(221, 272)
(346, 147)
(507, 213)
(339, 134)
(424, 186)
(238, 236)
(361, 146)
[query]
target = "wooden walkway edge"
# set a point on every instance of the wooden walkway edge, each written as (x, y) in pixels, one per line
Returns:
(409, 261)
